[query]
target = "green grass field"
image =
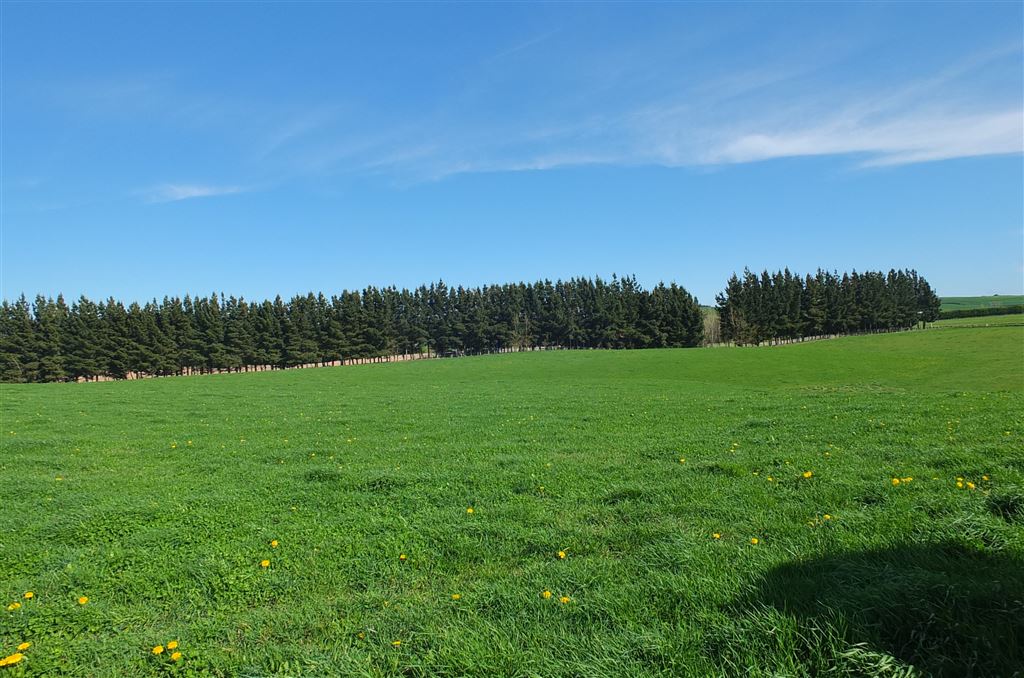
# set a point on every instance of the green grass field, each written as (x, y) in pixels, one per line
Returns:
(982, 321)
(653, 472)
(994, 301)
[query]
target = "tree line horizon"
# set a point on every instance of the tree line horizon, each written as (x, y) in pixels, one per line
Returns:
(49, 340)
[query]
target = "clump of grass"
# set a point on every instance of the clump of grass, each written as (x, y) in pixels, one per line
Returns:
(1008, 504)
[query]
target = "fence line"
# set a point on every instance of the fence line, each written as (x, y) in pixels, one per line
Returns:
(433, 355)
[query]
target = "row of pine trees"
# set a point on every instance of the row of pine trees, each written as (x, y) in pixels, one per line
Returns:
(780, 305)
(49, 340)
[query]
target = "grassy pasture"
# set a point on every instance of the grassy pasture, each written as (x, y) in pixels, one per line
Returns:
(993, 301)
(158, 499)
(981, 321)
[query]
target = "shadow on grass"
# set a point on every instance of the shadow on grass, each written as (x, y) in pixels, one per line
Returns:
(944, 609)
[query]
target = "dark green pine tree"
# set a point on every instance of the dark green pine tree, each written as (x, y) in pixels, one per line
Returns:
(162, 348)
(269, 341)
(332, 334)
(731, 317)
(82, 339)
(210, 330)
(497, 307)
(437, 318)
(352, 320)
(656, 316)
(687, 328)
(411, 326)
(48, 322)
(476, 323)
(182, 317)
(374, 337)
(299, 333)
(328, 330)
(19, 358)
(116, 344)
(812, 305)
(143, 357)
(928, 303)
(904, 299)
(239, 346)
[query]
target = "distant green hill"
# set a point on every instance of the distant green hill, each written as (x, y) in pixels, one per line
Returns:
(994, 301)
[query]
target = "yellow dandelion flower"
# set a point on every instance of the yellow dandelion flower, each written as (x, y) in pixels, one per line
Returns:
(770, 479)
(397, 643)
(808, 474)
(176, 656)
(28, 595)
(561, 555)
(682, 460)
(959, 478)
(83, 600)
(159, 649)
(273, 543)
(984, 477)
(563, 600)
(960, 483)
(908, 479)
(895, 482)
(24, 646)
(546, 595)
(469, 510)
(826, 517)
(970, 485)
(264, 563)
(716, 535)
(361, 635)
(456, 596)
(14, 606)
(755, 541)
(402, 557)
(12, 659)
(173, 645)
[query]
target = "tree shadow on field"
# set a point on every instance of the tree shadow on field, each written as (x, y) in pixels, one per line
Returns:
(945, 609)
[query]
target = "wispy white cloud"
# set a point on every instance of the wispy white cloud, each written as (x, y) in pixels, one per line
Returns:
(657, 109)
(763, 113)
(175, 192)
(295, 127)
(906, 138)
(937, 117)
(522, 45)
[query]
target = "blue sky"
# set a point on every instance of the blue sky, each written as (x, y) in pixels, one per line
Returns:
(258, 149)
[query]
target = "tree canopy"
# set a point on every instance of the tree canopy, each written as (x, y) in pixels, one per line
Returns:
(755, 308)
(47, 340)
